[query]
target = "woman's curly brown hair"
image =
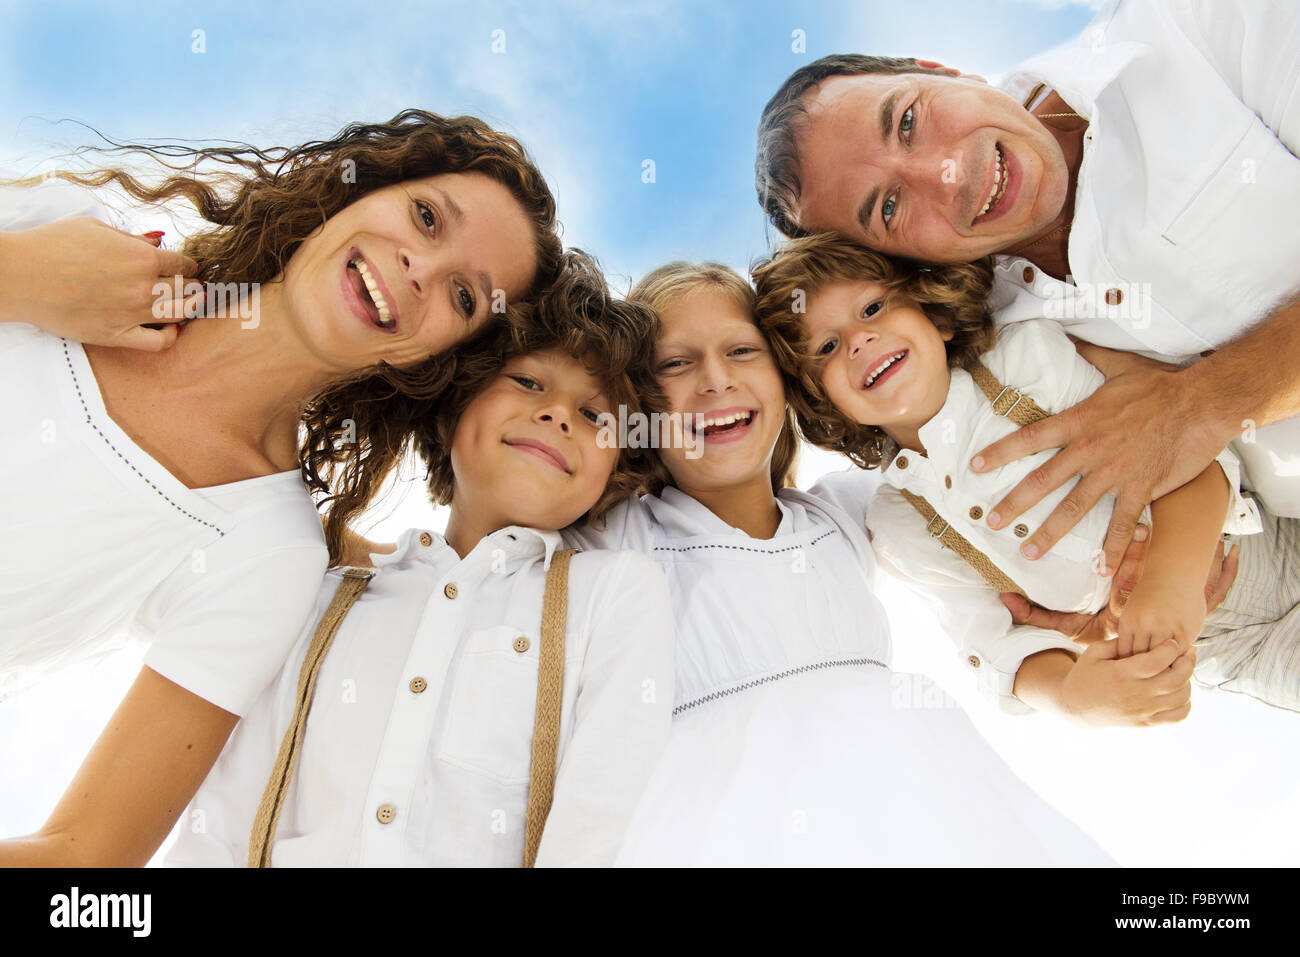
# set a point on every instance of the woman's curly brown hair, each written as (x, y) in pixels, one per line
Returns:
(953, 297)
(659, 289)
(264, 202)
(613, 338)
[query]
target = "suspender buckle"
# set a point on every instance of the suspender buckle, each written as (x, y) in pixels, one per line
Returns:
(929, 526)
(1005, 389)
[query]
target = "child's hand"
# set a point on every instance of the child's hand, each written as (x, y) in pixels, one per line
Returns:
(1157, 610)
(1104, 690)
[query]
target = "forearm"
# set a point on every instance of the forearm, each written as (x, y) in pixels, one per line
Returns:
(1252, 381)
(10, 254)
(1041, 677)
(41, 850)
(1186, 526)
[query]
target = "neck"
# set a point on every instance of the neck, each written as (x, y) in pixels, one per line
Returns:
(750, 507)
(906, 438)
(466, 527)
(249, 384)
(1049, 247)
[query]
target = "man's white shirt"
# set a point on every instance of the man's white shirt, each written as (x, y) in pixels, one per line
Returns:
(1184, 232)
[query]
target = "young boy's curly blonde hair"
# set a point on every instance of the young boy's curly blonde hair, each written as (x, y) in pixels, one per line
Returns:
(953, 297)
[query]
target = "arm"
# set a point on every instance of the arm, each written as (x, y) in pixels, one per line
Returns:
(82, 279)
(1169, 601)
(142, 772)
(1150, 429)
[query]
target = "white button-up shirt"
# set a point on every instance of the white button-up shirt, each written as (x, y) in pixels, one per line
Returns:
(447, 757)
(1183, 234)
(1036, 358)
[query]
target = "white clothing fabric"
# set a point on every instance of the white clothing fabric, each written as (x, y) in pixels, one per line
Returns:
(103, 544)
(792, 742)
(1036, 358)
(451, 757)
(1180, 241)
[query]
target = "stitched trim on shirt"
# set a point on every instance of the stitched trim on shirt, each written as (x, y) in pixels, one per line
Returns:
(715, 695)
(743, 548)
(91, 422)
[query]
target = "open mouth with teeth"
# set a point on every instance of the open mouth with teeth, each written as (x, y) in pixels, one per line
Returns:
(999, 187)
(369, 294)
(884, 369)
(724, 425)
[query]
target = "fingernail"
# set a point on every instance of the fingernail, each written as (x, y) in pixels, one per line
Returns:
(1141, 534)
(994, 519)
(977, 463)
(155, 234)
(1029, 551)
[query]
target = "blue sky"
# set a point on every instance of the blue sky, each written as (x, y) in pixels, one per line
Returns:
(593, 89)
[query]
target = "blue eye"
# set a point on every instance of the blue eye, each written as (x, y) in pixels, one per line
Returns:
(905, 121)
(526, 382)
(872, 309)
(887, 209)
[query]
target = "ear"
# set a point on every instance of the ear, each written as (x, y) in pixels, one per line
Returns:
(936, 65)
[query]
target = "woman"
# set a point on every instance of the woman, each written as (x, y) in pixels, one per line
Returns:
(793, 742)
(176, 476)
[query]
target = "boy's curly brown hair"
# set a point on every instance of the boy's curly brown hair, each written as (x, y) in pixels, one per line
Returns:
(954, 297)
(613, 338)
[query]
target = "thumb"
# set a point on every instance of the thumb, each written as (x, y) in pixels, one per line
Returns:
(1101, 650)
(1106, 361)
(1018, 605)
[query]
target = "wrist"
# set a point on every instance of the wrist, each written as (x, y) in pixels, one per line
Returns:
(1220, 421)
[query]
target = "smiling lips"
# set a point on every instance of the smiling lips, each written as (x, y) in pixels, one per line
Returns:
(996, 201)
(724, 425)
(883, 367)
(541, 450)
(368, 294)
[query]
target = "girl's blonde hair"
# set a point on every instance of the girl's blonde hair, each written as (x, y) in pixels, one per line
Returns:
(666, 285)
(953, 297)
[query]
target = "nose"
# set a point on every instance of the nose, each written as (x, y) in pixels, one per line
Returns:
(556, 412)
(937, 173)
(416, 270)
(859, 339)
(715, 375)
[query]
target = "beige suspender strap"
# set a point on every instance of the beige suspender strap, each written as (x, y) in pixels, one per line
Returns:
(268, 813)
(1007, 402)
(972, 556)
(550, 684)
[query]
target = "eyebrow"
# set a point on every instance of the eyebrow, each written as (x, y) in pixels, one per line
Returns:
(456, 212)
(867, 208)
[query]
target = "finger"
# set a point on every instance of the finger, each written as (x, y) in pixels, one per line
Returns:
(1129, 571)
(1124, 641)
(1106, 361)
(171, 263)
(149, 340)
(1046, 433)
(1151, 663)
(1101, 650)
(1171, 717)
(1123, 524)
(1065, 516)
(189, 306)
(153, 238)
(1019, 606)
(1176, 676)
(1227, 575)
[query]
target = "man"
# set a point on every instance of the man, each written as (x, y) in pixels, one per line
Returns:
(1139, 186)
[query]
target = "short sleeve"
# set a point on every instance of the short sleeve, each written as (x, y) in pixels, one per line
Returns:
(1038, 358)
(223, 623)
(1243, 514)
(992, 648)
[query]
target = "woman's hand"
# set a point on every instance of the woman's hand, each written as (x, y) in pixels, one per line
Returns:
(1103, 690)
(84, 280)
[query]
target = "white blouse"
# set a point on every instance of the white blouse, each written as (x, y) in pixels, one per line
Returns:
(448, 755)
(103, 544)
(1180, 242)
(815, 577)
(1037, 358)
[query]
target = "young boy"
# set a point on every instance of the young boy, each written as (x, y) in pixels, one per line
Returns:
(898, 367)
(418, 743)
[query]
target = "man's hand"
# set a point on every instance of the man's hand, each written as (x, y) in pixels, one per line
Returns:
(1144, 433)
(1087, 629)
(84, 280)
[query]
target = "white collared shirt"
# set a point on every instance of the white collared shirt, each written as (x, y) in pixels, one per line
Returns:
(446, 758)
(1183, 235)
(1036, 358)
(751, 611)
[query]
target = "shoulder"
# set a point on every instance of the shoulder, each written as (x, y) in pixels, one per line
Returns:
(614, 574)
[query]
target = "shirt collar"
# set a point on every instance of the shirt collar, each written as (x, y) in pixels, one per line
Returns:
(681, 516)
(517, 541)
(943, 450)
(1081, 70)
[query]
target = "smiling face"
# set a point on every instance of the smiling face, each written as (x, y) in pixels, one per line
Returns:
(525, 450)
(408, 270)
(937, 168)
(882, 366)
(711, 359)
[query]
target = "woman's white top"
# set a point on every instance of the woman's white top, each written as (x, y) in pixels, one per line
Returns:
(792, 742)
(1183, 235)
(424, 709)
(1036, 357)
(103, 544)
(760, 610)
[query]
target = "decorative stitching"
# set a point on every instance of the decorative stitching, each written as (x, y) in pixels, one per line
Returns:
(715, 695)
(742, 548)
(91, 422)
